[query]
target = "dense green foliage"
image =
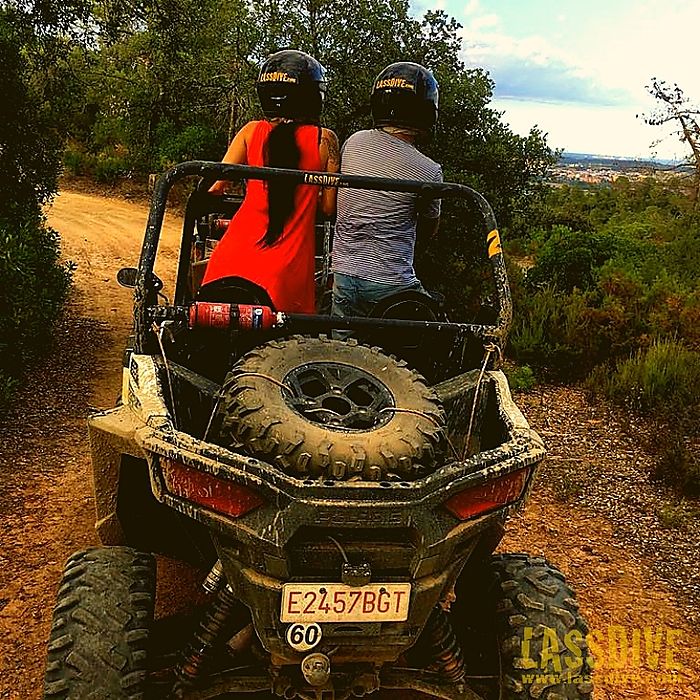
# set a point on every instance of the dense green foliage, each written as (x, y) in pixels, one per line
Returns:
(613, 296)
(614, 269)
(157, 83)
(663, 376)
(155, 71)
(136, 85)
(609, 291)
(34, 283)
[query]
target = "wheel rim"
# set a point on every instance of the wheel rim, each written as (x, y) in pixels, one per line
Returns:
(338, 396)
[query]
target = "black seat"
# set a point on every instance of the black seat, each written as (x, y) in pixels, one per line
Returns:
(210, 352)
(422, 350)
(234, 290)
(410, 305)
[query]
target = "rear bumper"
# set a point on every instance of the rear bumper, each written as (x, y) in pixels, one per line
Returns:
(346, 642)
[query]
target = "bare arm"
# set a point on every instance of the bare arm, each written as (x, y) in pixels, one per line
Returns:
(236, 154)
(330, 160)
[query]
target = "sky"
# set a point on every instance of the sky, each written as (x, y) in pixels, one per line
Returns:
(577, 69)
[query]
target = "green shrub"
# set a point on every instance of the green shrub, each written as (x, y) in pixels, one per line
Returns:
(77, 162)
(194, 142)
(665, 375)
(108, 169)
(33, 282)
(520, 377)
(570, 259)
(679, 467)
(550, 331)
(8, 385)
(34, 289)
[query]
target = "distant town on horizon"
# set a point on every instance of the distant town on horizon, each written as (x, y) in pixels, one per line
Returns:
(588, 170)
(571, 158)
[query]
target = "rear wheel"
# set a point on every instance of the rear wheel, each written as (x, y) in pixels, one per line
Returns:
(537, 646)
(101, 625)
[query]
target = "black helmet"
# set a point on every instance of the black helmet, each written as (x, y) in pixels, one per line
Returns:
(405, 94)
(292, 84)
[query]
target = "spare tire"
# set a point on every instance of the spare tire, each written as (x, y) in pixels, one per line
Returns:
(317, 407)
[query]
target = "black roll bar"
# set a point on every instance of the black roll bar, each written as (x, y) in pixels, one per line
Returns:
(225, 171)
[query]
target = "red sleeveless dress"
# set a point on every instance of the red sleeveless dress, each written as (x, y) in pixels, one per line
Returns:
(285, 270)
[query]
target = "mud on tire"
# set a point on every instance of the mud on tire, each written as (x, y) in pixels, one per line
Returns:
(329, 408)
(101, 624)
(540, 632)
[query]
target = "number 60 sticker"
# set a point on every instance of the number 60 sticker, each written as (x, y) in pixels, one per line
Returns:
(303, 636)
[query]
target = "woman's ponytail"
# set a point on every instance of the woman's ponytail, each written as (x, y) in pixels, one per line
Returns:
(282, 151)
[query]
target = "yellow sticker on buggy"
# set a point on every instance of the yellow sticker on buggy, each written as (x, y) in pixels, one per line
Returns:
(494, 241)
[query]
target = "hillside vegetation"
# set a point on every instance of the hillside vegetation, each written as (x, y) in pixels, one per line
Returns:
(126, 89)
(613, 299)
(33, 282)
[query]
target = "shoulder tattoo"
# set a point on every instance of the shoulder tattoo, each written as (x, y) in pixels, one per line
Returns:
(331, 141)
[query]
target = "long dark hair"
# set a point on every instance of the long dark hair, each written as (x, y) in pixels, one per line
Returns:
(282, 151)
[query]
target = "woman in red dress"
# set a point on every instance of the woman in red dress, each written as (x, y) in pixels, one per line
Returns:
(270, 240)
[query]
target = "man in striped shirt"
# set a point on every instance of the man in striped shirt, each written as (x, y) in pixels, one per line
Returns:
(375, 231)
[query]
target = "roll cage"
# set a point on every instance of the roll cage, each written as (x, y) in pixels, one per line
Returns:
(147, 284)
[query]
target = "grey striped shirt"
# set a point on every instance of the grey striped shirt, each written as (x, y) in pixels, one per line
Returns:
(375, 232)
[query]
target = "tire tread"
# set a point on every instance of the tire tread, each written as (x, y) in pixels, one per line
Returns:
(534, 594)
(101, 624)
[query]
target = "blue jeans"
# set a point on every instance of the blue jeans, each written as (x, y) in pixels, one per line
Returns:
(353, 296)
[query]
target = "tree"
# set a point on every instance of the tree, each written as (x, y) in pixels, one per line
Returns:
(34, 282)
(470, 141)
(164, 81)
(164, 68)
(674, 106)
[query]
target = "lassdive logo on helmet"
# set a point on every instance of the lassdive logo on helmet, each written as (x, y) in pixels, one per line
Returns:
(277, 76)
(394, 83)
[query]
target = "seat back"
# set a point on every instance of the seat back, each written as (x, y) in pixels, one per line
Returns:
(234, 290)
(420, 349)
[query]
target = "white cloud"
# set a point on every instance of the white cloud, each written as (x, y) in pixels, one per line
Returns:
(658, 39)
(484, 22)
(606, 60)
(533, 67)
(528, 66)
(612, 131)
(472, 7)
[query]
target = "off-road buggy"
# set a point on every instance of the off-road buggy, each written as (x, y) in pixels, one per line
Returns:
(344, 509)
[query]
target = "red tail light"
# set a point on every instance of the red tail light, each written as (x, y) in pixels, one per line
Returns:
(481, 499)
(209, 491)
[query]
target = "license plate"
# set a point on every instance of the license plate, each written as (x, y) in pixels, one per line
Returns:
(336, 602)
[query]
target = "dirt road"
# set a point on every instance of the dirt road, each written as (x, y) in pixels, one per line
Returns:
(645, 645)
(45, 497)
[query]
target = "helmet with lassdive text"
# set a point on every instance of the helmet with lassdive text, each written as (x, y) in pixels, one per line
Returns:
(405, 94)
(292, 84)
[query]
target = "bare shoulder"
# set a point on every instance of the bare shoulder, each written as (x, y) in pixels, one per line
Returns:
(249, 128)
(330, 138)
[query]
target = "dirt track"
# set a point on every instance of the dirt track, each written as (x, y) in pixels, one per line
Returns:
(47, 509)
